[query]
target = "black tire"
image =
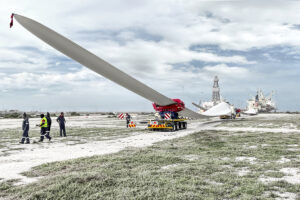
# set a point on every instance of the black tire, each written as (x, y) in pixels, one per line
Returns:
(173, 127)
(184, 125)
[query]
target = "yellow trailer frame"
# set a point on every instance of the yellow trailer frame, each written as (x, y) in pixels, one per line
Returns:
(167, 125)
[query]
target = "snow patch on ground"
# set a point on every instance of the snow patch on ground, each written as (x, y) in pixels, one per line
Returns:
(267, 180)
(251, 129)
(292, 145)
(285, 195)
(289, 126)
(225, 158)
(281, 195)
(293, 149)
(251, 160)
(169, 166)
(273, 115)
(191, 157)
(250, 147)
(292, 176)
(214, 183)
(244, 171)
(283, 160)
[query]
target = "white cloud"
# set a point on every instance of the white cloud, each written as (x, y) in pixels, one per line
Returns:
(48, 80)
(140, 56)
(232, 25)
(228, 72)
(114, 30)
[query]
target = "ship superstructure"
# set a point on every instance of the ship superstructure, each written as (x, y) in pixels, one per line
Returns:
(260, 103)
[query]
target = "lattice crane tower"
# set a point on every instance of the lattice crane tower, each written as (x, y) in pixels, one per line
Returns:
(216, 91)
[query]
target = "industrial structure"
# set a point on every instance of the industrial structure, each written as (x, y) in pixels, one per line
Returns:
(216, 91)
(216, 98)
(260, 103)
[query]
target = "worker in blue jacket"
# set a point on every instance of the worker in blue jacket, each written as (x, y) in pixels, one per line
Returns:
(61, 121)
(25, 128)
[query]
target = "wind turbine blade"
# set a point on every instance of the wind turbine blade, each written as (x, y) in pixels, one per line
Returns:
(91, 61)
(220, 109)
(198, 106)
(191, 114)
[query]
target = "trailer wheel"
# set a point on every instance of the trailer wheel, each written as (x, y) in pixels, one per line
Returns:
(183, 125)
(176, 126)
(173, 127)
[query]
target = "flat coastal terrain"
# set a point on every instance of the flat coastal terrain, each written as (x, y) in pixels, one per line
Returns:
(253, 157)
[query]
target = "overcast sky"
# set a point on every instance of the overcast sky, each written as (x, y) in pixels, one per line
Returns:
(175, 47)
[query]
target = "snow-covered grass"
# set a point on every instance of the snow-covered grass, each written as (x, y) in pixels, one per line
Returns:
(279, 121)
(202, 162)
(85, 137)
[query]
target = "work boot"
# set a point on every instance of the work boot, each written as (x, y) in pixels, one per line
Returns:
(22, 141)
(41, 139)
(50, 139)
(27, 141)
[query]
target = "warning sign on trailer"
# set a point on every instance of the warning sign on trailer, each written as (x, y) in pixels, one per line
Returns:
(121, 116)
(167, 116)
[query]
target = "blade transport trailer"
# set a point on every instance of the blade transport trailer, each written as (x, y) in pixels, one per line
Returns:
(169, 121)
(167, 125)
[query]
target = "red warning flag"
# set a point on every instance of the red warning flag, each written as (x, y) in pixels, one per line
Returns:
(11, 21)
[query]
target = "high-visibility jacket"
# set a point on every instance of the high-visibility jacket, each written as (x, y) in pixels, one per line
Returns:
(44, 122)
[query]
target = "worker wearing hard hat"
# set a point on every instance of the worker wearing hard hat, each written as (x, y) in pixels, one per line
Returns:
(25, 128)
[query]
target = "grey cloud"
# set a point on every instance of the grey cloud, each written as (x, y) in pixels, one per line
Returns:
(296, 26)
(209, 14)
